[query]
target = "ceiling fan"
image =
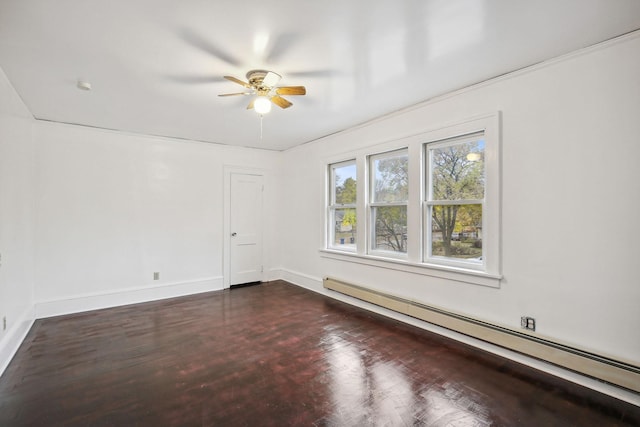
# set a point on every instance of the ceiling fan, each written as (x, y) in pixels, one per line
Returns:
(262, 84)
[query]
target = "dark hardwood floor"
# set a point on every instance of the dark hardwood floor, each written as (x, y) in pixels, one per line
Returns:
(275, 355)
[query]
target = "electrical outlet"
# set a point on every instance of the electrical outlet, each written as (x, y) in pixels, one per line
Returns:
(156, 275)
(528, 323)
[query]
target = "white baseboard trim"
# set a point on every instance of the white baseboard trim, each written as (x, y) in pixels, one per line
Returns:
(13, 338)
(303, 280)
(80, 303)
(315, 284)
(272, 274)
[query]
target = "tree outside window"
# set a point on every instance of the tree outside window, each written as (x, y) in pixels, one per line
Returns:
(390, 185)
(342, 205)
(455, 197)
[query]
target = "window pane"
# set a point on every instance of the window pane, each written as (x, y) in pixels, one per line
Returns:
(344, 233)
(344, 181)
(458, 171)
(391, 178)
(456, 231)
(390, 228)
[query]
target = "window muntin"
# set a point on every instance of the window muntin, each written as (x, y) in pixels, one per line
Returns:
(479, 262)
(455, 201)
(389, 193)
(342, 219)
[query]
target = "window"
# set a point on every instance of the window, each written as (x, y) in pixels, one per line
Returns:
(342, 206)
(454, 200)
(388, 202)
(428, 203)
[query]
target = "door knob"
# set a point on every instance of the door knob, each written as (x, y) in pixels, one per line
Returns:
(233, 234)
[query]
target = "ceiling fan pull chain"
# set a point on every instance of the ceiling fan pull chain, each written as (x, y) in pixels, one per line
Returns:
(261, 116)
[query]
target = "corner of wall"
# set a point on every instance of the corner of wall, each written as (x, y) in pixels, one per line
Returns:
(13, 338)
(17, 221)
(11, 103)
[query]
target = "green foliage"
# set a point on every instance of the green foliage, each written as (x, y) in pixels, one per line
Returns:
(469, 217)
(391, 185)
(456, 250)
(453, 176)
(346, 193)
(349, 217)
(392, 180)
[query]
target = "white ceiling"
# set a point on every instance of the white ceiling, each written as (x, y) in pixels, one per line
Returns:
(156, 66)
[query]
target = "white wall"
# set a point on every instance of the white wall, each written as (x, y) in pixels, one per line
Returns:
(16, 220)
(87, 216)
(571, 196)
(115, 208)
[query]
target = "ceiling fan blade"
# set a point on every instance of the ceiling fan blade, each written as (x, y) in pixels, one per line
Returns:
(235, 94)
(209, 47)
(291, 90)
(250, 106)
(271, 79)
(281, 102)
(195, 79)
(281, 45)
(240, 82)
(315, 73)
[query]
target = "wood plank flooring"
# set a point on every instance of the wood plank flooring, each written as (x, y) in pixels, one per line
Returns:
(275, 355)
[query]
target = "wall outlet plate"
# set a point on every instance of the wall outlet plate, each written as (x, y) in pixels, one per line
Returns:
(528, 323)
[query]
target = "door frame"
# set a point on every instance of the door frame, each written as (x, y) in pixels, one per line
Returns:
(226, 250)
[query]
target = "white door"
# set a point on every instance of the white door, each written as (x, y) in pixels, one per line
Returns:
(245, 252)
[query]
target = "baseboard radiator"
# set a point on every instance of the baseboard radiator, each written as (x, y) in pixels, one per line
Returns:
(603, 368)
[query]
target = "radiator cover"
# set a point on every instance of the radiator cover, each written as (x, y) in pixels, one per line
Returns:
(596, 366)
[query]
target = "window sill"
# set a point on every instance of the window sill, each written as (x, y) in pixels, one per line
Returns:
(443, 272)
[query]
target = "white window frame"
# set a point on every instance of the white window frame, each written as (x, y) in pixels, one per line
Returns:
(490, 268)
(372, 205)
(332, 206)
(428, 202)
(416, 260)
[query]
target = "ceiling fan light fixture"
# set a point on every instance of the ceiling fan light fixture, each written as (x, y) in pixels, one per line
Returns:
(262, 105)
(262, 84)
